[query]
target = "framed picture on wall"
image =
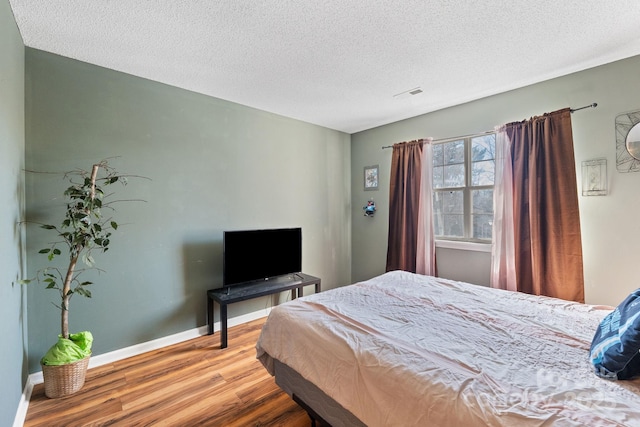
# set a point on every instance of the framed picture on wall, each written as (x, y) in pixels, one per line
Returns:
(594, 177)
(371, 177)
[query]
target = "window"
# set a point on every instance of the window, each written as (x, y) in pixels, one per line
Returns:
(463, 176)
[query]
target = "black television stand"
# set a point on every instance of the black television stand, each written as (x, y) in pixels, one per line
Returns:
(224, 296)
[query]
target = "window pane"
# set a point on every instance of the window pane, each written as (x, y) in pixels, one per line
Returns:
(452, 202)
(482, 213)
(454, 176)
(483, 173)
(438, 177)
(483, 148)
(448, 208)
(454, 152)
(482, 201)
(453, 225)
(483, 166)
(482, 227)
(438, 226)
(438, 154)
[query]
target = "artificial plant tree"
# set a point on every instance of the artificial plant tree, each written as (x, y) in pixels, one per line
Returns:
(83, 231)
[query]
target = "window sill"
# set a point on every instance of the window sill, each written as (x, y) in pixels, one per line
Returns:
(463, 246)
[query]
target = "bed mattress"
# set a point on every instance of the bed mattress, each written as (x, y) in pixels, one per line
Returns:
(409, 350)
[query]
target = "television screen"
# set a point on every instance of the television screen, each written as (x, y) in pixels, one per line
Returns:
(250, 255)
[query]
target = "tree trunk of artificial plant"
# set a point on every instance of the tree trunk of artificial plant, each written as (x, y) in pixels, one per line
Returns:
(73, 261)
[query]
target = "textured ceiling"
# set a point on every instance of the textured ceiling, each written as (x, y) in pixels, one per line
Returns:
(337, 63)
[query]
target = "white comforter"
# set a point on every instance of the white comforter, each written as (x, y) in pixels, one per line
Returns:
(410, 350)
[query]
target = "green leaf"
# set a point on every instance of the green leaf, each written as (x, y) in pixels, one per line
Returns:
(51, 255)
(86, 283)
(51, 286)
(114, 225)
(44, 251)
(88, 260)
(56, 251)
(24, 281)
(83, 292)
(48, 227)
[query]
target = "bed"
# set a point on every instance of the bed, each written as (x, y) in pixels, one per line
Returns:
(409, 350)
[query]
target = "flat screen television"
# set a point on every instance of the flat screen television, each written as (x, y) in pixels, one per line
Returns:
(257, 255)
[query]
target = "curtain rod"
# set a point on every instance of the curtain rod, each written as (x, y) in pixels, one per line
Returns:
(594, 105)
(453, 138)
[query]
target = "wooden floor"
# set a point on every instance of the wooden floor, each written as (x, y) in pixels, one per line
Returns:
(194, 383)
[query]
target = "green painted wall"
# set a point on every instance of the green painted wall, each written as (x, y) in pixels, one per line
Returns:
(212, 165)
(610, 227)
(13, 317)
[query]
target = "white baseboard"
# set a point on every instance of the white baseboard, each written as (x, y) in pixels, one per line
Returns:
(134, 350)
(21, 413)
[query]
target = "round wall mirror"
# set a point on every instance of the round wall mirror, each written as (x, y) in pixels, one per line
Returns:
(628, 142)
(633, 141)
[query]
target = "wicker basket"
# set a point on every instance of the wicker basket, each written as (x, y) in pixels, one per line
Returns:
(63, 380)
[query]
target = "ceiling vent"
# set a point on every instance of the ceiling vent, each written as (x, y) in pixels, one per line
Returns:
(408, 93)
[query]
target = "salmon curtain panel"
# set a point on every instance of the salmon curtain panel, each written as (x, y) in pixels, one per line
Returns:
(547, 243)
(503, 261)
(411, 245)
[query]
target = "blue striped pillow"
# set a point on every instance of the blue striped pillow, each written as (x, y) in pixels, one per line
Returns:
(615, 349)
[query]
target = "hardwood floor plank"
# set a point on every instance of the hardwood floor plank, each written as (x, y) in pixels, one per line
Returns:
(174, 382)
(148, 396)
(284, 412)
(64, 413)
(194, 383)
